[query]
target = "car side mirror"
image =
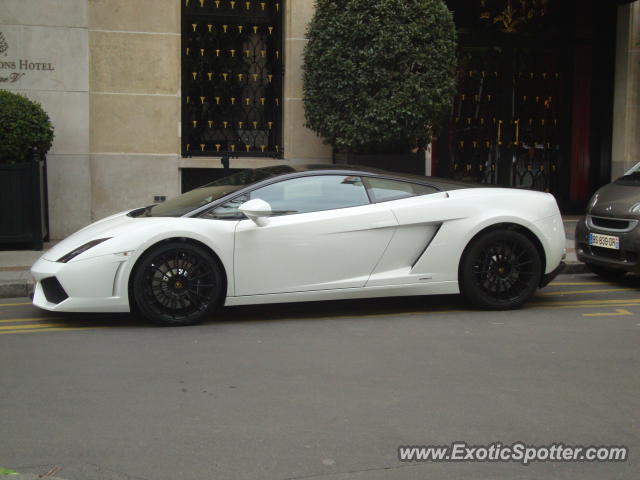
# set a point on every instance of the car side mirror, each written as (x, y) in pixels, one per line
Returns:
(257, 210)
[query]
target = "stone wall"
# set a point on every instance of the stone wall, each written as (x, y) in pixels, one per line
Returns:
(299, 142)
(134, 85)
(47, 59)
(626, 126)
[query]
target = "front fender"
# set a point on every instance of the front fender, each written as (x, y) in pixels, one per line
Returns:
(216, 235)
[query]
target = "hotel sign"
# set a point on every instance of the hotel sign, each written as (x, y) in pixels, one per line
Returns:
(13, 70)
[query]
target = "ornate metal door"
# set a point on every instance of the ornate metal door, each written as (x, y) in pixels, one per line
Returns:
(508, 117)
(232, 77)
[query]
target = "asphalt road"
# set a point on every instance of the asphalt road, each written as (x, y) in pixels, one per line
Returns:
(323, 391)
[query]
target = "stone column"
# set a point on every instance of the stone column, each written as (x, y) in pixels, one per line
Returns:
(626, 121)
(45, 57)
(299, 142)
(135, 102)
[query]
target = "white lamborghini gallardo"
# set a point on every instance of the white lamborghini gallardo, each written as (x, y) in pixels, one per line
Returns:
(294, 234)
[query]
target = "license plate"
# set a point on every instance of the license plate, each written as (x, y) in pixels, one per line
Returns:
(604, 241)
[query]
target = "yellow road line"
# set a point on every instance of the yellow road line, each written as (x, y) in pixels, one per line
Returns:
(50, 327)
(545, 305)
(11, 320)
(375, 315)
(631, 301)
(575, 292)
(53, 329)
(591, 306)
(28, 327)
(566, 284)
(529, 306)
(617, 313)
(14, 304)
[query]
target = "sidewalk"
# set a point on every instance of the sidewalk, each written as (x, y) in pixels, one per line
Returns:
(15, 280)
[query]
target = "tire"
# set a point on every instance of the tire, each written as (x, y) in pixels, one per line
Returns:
(500, 270)
(177, 284)
(611, 274)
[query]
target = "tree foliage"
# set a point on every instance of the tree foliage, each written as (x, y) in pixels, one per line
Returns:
(378, 74)
(23, 126)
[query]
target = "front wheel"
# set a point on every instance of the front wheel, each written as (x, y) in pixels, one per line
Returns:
(177, 284)
(500, 270)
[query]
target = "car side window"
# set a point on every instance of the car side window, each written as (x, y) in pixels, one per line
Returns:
(313, 194)
(228, 210)
(383, 190)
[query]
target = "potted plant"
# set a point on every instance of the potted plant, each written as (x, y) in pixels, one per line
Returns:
(26, 135)
(379, 76)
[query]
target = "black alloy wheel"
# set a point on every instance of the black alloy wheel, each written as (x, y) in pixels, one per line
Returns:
(177, 284)
(500, 270)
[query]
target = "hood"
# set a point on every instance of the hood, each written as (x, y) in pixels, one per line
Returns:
(617, 201)
(114, 227)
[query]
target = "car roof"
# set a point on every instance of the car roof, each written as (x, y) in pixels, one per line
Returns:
(287, 171)
(319, 168)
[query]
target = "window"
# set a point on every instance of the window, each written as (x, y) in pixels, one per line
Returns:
(313, 194)
(383, 190)
(210, 192)
(232, 78)
(227, 211)
(300, 195)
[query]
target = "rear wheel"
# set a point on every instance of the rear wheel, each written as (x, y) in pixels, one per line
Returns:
(611, 274)
(177, 284)
(500, 270)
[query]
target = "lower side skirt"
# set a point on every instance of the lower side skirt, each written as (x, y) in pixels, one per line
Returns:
(436, 288)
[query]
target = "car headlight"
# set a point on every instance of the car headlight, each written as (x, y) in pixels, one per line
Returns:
(83, 248)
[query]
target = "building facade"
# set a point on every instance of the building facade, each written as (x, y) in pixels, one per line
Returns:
(147, 96)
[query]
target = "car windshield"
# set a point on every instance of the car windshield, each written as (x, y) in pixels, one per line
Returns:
(632, 177)
(187, 202)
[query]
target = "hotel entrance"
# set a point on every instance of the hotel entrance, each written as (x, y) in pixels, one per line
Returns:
(535, 93)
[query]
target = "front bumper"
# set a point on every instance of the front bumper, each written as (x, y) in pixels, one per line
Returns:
(92, 285)
(624, 259)
(548, 278)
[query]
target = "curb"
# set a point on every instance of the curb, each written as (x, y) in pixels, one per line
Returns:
(573, 268)
(16, 289)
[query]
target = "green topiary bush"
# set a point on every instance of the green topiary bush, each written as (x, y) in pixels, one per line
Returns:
(23, 125)
(379, 75)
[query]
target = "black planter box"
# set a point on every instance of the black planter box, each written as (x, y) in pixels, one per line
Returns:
(24, 216)
(394, 162)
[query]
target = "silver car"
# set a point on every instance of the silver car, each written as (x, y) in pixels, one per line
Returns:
(608, 238)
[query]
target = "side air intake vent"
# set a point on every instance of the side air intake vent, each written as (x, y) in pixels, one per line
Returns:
(53, 290)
